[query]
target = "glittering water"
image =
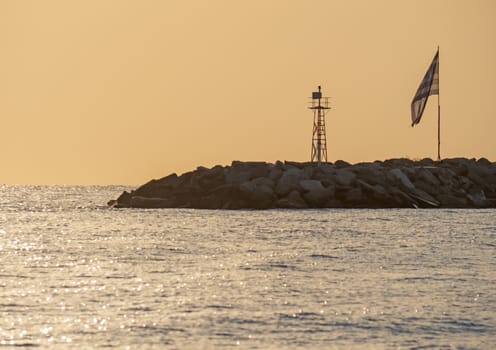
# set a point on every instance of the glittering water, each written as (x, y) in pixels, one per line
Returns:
(74, 273)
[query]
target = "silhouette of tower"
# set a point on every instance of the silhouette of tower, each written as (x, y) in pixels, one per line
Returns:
(320, 106)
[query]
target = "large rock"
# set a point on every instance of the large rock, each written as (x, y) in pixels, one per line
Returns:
(211, 178)
(425, 175)
(158, 188)
(226, 196)
(452, 201)
(315, 194)
(398, 175)
(427, 182)
(478, 199)
(326, 174)
(341, 164)
(483, 177)
(371, 173)
(292, 201)
(345, 177)
(258, 193)
(376, 195)
(398, 163)
(426, 162)
(151, 202)
(402, 199)
(354, 196)
(289, 181)
(423, 198)
(244, 171)
(446, 176)
(275, 173)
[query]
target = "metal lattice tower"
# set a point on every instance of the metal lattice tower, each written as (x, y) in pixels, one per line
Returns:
(320, 106)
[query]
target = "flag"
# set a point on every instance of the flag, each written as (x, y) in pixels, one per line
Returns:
(428, 86)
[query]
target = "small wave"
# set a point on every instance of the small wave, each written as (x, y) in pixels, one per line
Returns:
(159, 330)
(269, 267)
(178, 251)
(351, 249)
(10, 305)
(456, 326)
(301, 315)
(220, 307)
(118, 277)
(224, 334)
(138, 308)
(379, 219)
(21, 345)
(323, 256)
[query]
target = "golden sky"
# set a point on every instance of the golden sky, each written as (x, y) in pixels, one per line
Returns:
(121, 91)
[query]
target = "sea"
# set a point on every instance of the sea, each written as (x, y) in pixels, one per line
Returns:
(77, 274)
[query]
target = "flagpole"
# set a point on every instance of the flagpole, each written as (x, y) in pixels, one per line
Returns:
(438, 129)
(438, 110)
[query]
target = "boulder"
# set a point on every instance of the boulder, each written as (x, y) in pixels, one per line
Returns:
(210, 178)
(400, 177)
(151, 202)
(158, 188)
(289, 181)
(325, 174)
(275, 173)
(466, 183)
(377, 196)
(398, 163)
(478, 199)
(290, 165)
(265, 181)
(169, 181)
(226, 196)
(341, 164)
(402, 199)
(451, 201)
(426, 162)
(292, 201)
(371, 173)
(446, 176)
(314, 193)
(482, 177)
(484, 162)
(244, 171)
(123, 200)
(354, 196)
(334, 203)
(423, 198)
(238, 176)
(258, 194)
(311, 185)
(425, 175)
(345, 177)
(326, 168)
(279, 165)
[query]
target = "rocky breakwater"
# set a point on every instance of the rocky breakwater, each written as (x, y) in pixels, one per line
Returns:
(394, 183)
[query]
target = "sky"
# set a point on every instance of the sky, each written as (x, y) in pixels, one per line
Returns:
(120, 91)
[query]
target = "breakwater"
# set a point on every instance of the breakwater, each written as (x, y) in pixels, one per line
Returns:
(393, 183)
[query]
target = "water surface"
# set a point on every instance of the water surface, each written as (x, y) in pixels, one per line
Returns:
(74, 273)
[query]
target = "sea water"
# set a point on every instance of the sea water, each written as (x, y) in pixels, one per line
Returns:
(76, 274)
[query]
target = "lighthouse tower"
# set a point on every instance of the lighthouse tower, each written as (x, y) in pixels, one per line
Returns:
(320, 106)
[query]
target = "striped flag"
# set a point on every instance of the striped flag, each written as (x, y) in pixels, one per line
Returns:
(428, 86)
